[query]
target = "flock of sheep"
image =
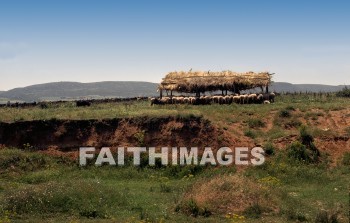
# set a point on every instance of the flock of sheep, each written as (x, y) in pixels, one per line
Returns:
(265, 98)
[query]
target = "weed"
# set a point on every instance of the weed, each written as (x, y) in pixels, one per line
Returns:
(294, 215)
(140, 138)
(249, 133)
(284, 113)
(326, 217)
(293, 123)
(165, 188)
(191, 208)
(254, 211)
(269, 149)
(346, 159)
(290, 108)
(256, 123)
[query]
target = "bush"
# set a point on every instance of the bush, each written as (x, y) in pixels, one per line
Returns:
(301, 152)
(140, 138)
(346, 159)
(294, 215)
(326, 217)
(305, 137)
(293, 123)
(254, 211)
(345, 92)
(249, 133)
(304, 149)
(183, 171)
(191, 208)
(285, 113)
(256, 123)
(164, 188)
(269, 149)
(290, 108)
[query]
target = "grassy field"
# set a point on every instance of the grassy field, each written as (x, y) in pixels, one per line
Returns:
(35, 187)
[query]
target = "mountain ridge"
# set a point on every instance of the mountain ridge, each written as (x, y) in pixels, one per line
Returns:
(66, 90)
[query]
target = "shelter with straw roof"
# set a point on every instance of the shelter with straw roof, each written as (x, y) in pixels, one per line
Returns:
(199, 82)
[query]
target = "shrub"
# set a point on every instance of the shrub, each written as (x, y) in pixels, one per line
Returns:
(346, 159)
(345, 92)
(290, 108)
(326, 217)
(305, 137)
(308, 140)
(140, 138)
(293, 123)
(269, 149)
(347, 131)
(294, 215)
(249, 133)
(301, 152)
(165, 188)
(256, 123)
(254, 211)
(305, 149)
(183, 171)
(191, 208)
(284, 113)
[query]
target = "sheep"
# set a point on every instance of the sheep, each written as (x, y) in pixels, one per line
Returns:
(166, 100)
(203, 100)
(215, 98)
(252, 98)
(244, 99)
(186, 100)
(178, 100)
(228, 99)
(208, 100)
(269, 97)
(237, 99)
(260, 98)
(156, 101)
(192, 100)
(221, 100)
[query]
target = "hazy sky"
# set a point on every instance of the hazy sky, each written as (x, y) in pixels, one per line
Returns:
(88, 41)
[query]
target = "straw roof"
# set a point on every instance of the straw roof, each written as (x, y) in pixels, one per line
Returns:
(199, 81)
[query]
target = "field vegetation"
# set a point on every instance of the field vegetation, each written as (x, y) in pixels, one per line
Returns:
(306, 176)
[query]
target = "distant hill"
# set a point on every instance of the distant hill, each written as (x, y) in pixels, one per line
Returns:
(76, 90)
(288, 87)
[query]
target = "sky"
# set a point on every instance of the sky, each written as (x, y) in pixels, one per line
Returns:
(90, 40)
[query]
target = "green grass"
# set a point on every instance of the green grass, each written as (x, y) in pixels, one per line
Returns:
(215, 112)
(38, 188)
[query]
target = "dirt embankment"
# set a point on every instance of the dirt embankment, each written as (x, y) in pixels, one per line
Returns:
(69, 135)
